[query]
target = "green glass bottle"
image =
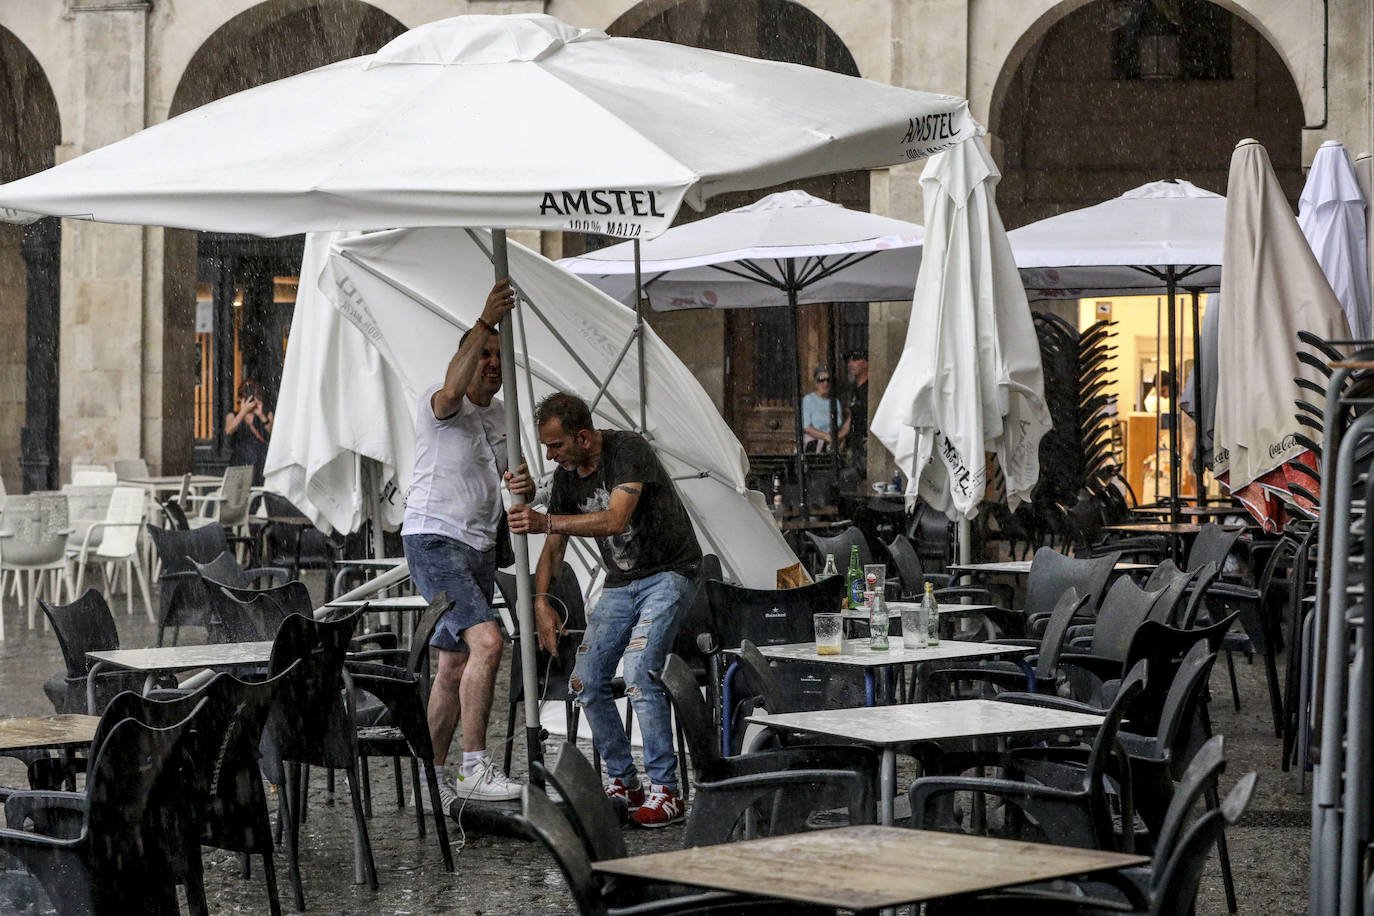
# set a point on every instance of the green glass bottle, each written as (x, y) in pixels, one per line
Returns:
(854, 581)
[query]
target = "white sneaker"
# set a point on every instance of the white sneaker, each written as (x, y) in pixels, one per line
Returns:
(486, 783)
(447, 796)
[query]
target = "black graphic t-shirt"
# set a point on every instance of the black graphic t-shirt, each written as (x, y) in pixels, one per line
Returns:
(659, 537)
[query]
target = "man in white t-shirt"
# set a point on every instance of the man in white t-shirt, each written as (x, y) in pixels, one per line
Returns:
(453, 510)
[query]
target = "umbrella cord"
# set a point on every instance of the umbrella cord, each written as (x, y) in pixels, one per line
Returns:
(548, 667)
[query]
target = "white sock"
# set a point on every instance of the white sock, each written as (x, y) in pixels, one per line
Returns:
(470, 761)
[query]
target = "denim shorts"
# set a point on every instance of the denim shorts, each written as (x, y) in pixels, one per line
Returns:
(441, 564)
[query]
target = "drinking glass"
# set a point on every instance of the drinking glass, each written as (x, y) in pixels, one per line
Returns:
(913, 626)
(829, 632)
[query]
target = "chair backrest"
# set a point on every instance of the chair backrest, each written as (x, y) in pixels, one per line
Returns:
(308, 722)
(1165, 648)
(1184, 702)
(1070, 605)
(223, 569)
(1105, 746)
(552, 673)
(1052, 573)
(908, 565)
(184, 494)
(770, 617)
(424, 631)
(590, 812)
(565, 592)
(235, 494)
(775, 617)
(1176, 869)
(95, 478)
(541, 819)
(87, 504)
(1212, 545)
(692, 715)
(124, 516)
(696, 618)
(131, 468)
(135, 799)
(258, 613)
(85, 625)
(37, 522)
(176, 549)
(1203, 771)
(761, 680)
(840, 545)
(1197, 596)
(1125, 608)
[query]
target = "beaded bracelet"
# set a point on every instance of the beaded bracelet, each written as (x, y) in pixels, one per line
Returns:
(484, 323)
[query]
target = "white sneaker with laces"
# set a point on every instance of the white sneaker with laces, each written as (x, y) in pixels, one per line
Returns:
(486, 783)
(447, 796)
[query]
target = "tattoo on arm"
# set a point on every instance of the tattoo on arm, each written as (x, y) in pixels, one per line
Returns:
(631, 488)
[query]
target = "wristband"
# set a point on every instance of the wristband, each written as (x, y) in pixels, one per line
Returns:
(486, 324)
(548, 524)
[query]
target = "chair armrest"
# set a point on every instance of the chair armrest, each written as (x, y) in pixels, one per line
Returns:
(278, 574)
(1097, 665)
(61, 815)
(950, 594)
(1048, 701)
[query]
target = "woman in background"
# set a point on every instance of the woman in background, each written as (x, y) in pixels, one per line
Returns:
(249, 430)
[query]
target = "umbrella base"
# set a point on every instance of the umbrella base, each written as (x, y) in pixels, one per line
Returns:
(493, 818)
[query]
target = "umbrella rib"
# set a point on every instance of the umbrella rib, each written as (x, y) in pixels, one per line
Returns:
(534, 307)
(844, 262)
(752, 272)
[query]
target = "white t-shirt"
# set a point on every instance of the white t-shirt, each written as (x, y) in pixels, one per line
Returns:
(456, 490)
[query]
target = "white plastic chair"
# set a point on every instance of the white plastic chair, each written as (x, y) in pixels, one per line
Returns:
(80, 467)
(117, 542)
(34, 542)
(131, 469)
(85, 507)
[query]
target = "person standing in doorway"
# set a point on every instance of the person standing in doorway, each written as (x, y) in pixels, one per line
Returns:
(249, 429)
(610, 486)
(856, 407)
(453, 512)
(818, 433)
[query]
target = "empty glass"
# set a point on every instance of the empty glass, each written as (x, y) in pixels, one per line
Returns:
(913, 626)
(829, 632)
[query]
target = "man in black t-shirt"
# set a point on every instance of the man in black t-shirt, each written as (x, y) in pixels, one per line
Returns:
(610, 486)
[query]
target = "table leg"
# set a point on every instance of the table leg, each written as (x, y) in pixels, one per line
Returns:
(869, 688)
(727, 702)
(90, 688)
(887, 786)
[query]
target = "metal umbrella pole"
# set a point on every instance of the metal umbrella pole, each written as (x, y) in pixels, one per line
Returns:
(792, 311)
(639, 335)
(524, 593)
(1198, 466)
(1172, 279)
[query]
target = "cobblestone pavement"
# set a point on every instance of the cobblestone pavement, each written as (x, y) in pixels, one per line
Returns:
(497, 875)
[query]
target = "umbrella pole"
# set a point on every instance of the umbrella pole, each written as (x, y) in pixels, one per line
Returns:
(833, 358)
(1198, 467)
(1173, 399)
(797, 394)
(639, 342)
(524, 598)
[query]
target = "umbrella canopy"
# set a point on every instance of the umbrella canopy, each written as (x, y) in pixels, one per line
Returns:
(969, 380)
(752, 256)
(1331, 213)
(407, 295)
(1273, 287)
(514, 121)
(1125, 246)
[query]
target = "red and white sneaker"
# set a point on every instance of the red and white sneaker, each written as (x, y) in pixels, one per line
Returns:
(662, 807)
(620, 794)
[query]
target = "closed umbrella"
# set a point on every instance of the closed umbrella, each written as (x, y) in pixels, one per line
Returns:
(1272, 288)
(1331, 213)
(788, 248)
(501, 121)
(969, 380)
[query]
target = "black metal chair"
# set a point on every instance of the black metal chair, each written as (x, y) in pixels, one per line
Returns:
(1052, 573)
(789, 783)
(85, 625)
(840, 545)
(309, 725)
(181, 595)
(103, 852)
(404, 731)
(298, 546)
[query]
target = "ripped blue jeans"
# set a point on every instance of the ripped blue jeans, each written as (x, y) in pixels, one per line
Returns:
(637, 622)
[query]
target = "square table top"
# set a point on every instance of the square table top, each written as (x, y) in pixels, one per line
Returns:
(856, 653)
(187, 658)
(868, 867)
(46, 732)
(1023, 567)
(885, 726)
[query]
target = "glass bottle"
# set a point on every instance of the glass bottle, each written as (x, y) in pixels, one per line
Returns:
(877, 622)
(830, 569)
(932, 615)
(854, 581)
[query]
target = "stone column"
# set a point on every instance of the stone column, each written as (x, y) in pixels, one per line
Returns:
(38, 439)
(103, 266)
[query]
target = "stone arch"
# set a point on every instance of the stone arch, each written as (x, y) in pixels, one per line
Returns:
(236, 274)
(1021, 25)
(30, 130)
(1061, 147)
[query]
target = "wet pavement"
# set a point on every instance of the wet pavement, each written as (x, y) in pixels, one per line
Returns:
(499, 875)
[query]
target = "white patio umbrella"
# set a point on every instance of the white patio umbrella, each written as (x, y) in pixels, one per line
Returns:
(1272, 288)
(501, 121)
(1331, 213)
(786, 249)
(969, 380)
(1158, 238)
